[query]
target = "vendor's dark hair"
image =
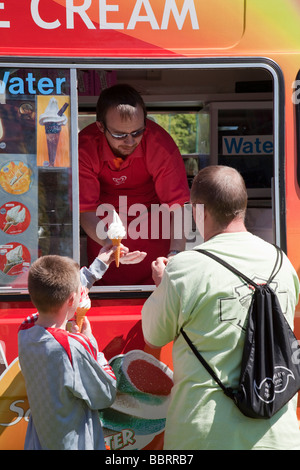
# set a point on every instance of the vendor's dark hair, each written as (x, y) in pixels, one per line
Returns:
(121, 96)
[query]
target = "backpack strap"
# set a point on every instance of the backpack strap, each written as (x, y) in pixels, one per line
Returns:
(278, 263)
(227, 390)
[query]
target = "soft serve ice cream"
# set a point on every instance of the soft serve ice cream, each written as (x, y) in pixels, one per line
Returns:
(53, 119)
(14, 216)
(13, 257)
(116, 232)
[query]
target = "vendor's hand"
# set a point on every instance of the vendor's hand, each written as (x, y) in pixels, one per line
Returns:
(158, 268)
(132, 257)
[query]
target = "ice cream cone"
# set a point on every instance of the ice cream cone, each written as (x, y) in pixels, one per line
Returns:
(83, 307)
(117, 242)
(7, 226)
(8, 266)
(52, 135)
(80, 314)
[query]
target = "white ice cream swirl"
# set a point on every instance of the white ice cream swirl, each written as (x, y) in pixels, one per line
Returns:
(15, 255)
(85, 301)
(51, 114)
(15, 215)
(116, 228)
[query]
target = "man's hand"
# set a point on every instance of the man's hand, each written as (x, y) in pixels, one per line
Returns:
(158, 268)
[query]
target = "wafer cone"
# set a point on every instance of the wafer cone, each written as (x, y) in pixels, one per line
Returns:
(7, 226)
(52, 142)
(80, 314)
(117, 242)
(8, 266)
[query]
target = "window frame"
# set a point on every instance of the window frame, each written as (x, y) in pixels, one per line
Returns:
(188, 64)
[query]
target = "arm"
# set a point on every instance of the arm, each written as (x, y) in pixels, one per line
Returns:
(90, 167)
(94, 381)
(165, 164)
(88, 276)
(89, 222)
(160, 314)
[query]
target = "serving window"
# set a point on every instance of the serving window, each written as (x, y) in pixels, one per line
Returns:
(222, 115)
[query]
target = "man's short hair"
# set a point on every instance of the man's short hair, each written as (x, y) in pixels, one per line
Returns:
(223, 192)
(51, 280)
(123, 97)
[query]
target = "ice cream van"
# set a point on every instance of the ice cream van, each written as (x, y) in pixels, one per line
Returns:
(225, 72)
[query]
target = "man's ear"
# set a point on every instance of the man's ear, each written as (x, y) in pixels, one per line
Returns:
(100, 126)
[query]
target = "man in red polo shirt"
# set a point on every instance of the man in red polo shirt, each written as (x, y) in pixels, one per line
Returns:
(130, 163)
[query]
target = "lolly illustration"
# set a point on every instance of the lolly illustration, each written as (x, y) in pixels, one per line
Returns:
(83, 307)
(143, 393)
(116, 232)
(53, 119)
(14, 216)
(13, 257)
(15, 177)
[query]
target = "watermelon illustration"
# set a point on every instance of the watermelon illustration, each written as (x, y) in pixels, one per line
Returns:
(143, 388)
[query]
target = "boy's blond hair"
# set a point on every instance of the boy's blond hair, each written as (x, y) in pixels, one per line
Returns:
(51, 281)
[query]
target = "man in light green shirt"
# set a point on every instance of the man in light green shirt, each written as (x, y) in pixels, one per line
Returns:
(211, 304)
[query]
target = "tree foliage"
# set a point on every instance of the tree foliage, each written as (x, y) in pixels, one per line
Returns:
(190, 131)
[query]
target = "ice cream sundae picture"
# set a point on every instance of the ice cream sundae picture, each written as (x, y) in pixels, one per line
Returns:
(14, 259)
(53, 119)
(14, 218)
(116, 232)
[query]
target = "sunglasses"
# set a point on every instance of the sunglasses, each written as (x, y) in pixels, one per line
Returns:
(120, 136)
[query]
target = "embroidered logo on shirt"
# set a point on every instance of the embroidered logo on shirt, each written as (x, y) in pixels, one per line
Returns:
(243, 293)
(120, 180)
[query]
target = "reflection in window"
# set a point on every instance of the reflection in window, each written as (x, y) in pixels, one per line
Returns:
(190, 131)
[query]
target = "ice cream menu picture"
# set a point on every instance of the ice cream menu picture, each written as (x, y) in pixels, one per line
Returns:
(53, 131)
(34, 139)
(18, 216)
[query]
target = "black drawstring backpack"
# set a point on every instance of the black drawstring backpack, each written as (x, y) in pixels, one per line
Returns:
(270, 370)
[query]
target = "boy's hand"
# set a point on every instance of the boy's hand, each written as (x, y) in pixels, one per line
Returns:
(107, 255)
(85, 329)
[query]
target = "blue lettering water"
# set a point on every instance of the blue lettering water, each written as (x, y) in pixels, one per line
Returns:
(31, 86)
(242, 145)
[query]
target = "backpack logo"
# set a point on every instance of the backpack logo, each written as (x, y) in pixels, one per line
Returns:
(269, 387)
